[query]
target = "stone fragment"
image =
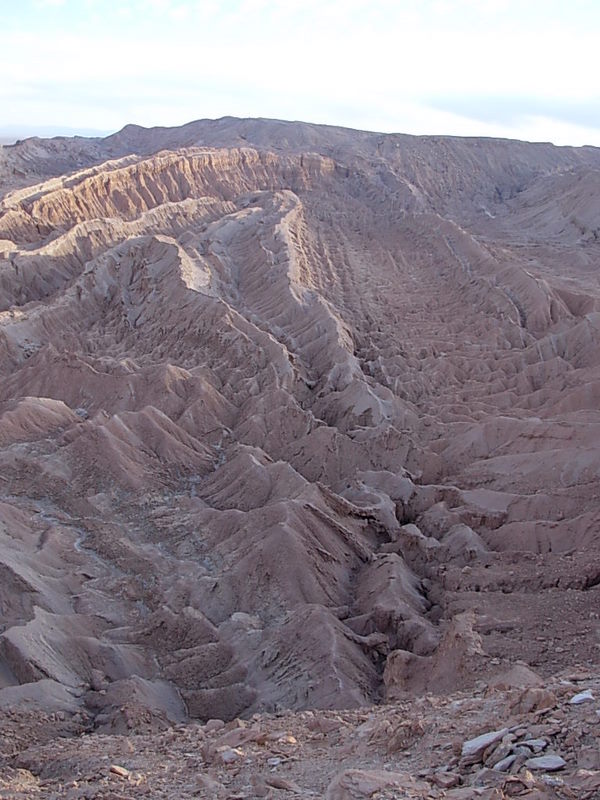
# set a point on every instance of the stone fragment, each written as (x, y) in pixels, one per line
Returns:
(239, 736)
(587, 782)
(581, 697)
(281, 783)
(356, 784)
(521, 750)
(475, 747)
(231, 754)
(533, 699)
(579, 675)
(505, 764)
(404, 735)
(588, 758)
(517, 765)
(537, 745)
(549, 763)
(521, 786)
(120, 771)
(214, 725)
(493, 754)
(519, 676)
(446, 780)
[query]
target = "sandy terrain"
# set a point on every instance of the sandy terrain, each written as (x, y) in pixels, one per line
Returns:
(292, 418)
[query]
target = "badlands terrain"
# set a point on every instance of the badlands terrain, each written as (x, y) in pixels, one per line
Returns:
(299, 465)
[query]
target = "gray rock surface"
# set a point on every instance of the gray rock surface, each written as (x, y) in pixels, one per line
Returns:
(550, 763)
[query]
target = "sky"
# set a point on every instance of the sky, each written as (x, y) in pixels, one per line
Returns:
(525, 69)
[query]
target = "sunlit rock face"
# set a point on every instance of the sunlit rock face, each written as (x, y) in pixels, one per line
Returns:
(293, 416)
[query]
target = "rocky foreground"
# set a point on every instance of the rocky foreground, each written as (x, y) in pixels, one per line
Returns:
(518, 737)
(296, 419)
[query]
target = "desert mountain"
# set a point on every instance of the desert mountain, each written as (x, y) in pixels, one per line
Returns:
(293, 417)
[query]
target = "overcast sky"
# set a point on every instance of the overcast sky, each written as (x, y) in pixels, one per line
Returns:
(519, 68)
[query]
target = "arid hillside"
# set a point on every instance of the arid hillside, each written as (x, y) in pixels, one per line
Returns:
(292, 417)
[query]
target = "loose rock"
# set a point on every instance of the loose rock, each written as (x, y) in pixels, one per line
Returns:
(475, 747)
(505, 764)
(581, 697)
(549, 763)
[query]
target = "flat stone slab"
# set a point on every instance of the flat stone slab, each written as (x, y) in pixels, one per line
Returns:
(537, 745)
(581, 697)
(505, 764)
(474, 746)
(549, 763)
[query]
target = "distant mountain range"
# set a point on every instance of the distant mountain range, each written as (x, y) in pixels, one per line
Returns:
(9, 134)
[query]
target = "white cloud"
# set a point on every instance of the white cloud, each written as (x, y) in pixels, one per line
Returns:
(371, 64)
